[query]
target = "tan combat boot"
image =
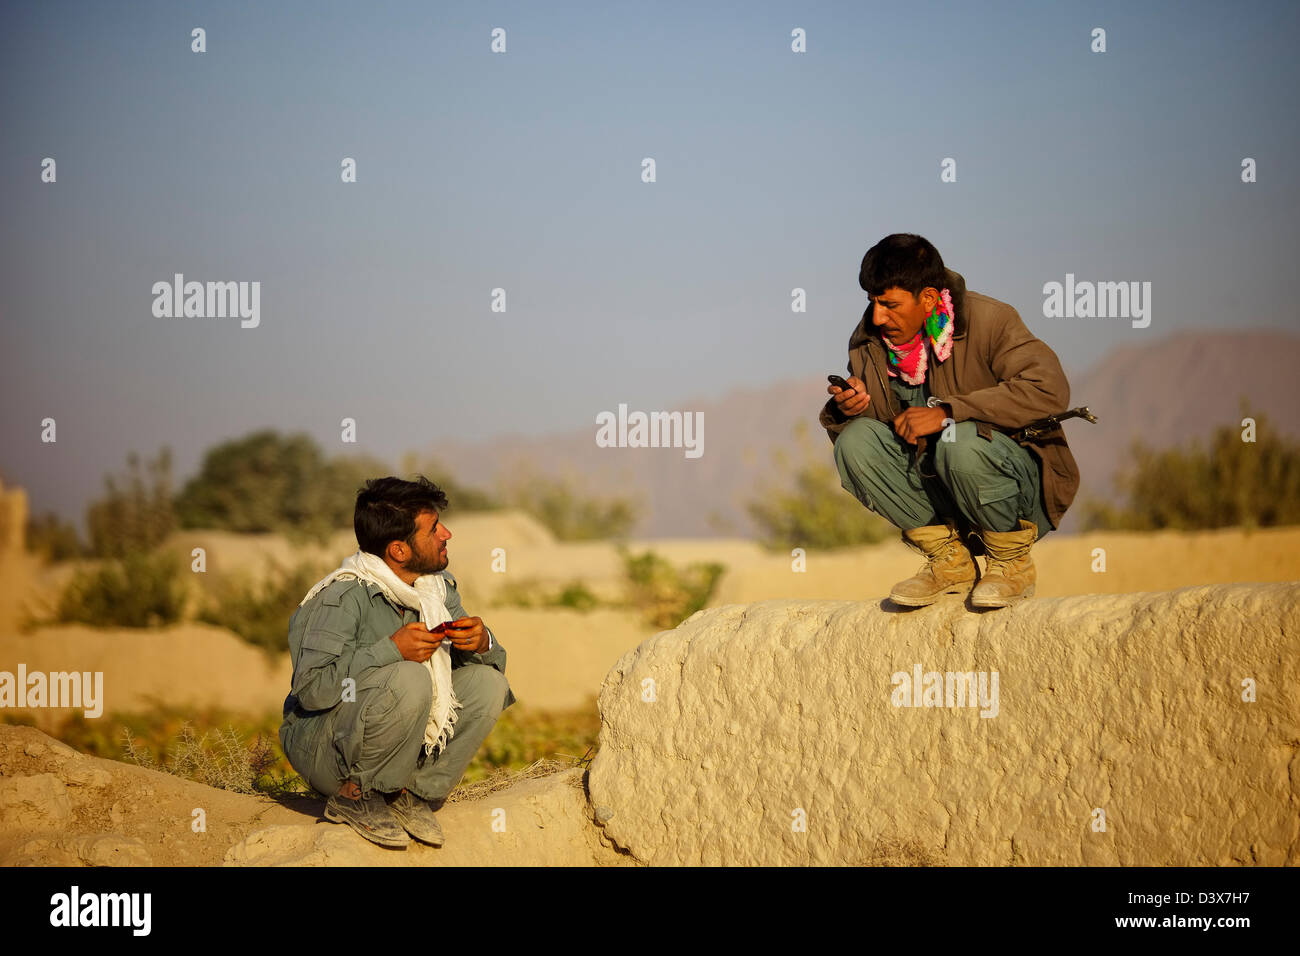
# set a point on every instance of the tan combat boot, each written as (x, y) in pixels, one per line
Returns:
(949, 568)
(1010, 574)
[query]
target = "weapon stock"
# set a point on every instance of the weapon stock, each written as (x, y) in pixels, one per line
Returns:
(1042, 426)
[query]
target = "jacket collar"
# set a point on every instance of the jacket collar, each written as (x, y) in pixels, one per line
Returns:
(956, 285)
(375, 593)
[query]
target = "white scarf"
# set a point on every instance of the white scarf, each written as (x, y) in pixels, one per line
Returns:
(428, 596)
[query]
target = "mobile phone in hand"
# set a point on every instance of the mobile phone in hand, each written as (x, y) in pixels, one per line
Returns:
(839, 382)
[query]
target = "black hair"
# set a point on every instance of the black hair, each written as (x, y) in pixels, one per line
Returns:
(387, 508)
(903, 260)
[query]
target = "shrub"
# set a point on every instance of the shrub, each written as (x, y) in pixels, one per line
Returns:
(807, 507)
(1232, 483)
(665, 595)
(568, 510)
(517, 592)
(53, 538)
(269, 482)
(135, 516)
(530, 593)
(217, 759)
(576, 595)
(522, 737)
(204, 745)
(460, 497)
(142, 589)
(259, 611)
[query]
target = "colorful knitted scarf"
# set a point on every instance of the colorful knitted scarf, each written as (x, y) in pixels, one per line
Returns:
(910, 359)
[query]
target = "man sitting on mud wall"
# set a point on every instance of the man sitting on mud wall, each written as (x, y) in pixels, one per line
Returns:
(931, 359)
(394, 687)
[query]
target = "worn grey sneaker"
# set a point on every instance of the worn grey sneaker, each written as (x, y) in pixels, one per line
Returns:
(416, 817)
(370, 817)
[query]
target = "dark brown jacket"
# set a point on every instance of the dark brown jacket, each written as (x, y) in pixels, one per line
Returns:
(998, 373)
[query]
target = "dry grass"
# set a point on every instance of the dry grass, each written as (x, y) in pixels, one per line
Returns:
(895, 852)
(223, 761)
(504, 777)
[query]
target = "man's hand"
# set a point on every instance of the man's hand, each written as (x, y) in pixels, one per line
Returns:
(416, 642)
(468, 634)
(853, 402)
(917, 421)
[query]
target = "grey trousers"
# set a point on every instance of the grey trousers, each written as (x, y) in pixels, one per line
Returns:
(991, 483)
(377, 741)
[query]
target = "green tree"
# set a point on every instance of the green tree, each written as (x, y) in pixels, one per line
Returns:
(667, 595)
(806, 507)
(53, 538)
(136, 514)
(460, 497)
(271, 482)
(259, 610)
(570, 511)
(1232, 483)
(140, 589)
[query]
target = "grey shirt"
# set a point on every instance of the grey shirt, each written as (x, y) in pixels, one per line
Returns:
(344, 632)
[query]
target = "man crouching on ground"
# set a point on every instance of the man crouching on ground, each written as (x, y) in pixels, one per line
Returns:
(928, 433)
(394, 687)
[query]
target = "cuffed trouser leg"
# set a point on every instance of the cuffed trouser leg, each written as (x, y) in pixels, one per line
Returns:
(994, 483)
(374, 740)
(481, 689)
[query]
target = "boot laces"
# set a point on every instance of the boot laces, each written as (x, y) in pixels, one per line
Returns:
(942, 555)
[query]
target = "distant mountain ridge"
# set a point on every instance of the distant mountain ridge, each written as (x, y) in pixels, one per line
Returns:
(1169, 391)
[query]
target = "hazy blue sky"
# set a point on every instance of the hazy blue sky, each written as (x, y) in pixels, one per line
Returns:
(522, 170)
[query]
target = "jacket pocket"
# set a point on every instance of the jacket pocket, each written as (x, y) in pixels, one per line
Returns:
(998, 489)
(329, 644)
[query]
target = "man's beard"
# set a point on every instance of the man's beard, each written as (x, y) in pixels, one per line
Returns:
(421, 563)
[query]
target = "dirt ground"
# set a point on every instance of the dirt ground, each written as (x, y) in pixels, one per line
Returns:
(62, 808)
